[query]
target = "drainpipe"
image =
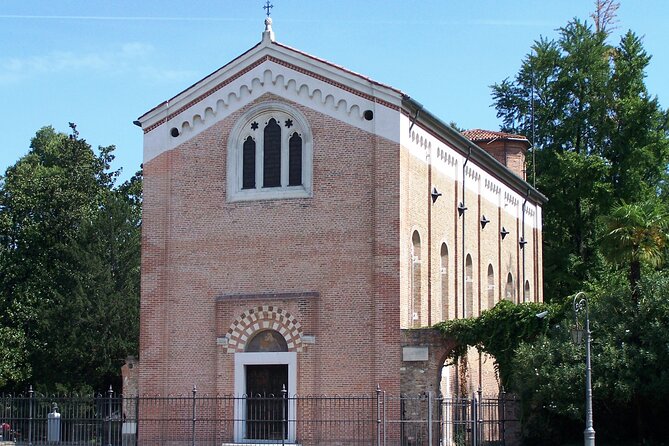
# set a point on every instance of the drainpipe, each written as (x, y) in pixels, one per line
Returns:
(415, 118)
(462, 208)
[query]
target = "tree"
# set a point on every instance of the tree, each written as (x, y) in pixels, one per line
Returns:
(62, 221)
(14, 366)
(637, 234)
(638, 148)
(629, 359)
(605, 14)
(537, 360)
(602, 157)
(600, 138)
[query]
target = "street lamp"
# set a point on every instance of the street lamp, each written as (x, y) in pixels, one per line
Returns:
(580, 304)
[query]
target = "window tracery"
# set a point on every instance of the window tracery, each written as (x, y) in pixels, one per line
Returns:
(270, 154)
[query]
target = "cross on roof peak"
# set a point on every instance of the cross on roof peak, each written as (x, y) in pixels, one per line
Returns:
(268, 34)
(268, 6)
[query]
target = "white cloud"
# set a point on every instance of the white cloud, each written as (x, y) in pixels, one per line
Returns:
(131, 57)
(121, 18)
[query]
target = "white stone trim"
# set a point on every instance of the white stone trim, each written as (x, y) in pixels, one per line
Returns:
(267, 77)
(273, 358)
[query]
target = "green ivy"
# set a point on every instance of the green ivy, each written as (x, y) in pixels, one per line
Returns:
(500, 330)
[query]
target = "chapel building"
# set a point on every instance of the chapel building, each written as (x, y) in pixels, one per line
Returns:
(298, 216)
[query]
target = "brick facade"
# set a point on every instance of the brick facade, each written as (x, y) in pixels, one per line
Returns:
(338, 273)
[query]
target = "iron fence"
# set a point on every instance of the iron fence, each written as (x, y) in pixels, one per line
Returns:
(378, 419)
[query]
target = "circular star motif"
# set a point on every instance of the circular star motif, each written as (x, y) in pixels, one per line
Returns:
(289, 123)
(254, 125)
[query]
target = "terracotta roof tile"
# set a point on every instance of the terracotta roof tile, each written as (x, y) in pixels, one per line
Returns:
(489, 135)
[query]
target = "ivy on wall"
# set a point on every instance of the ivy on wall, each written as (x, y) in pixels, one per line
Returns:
(500, 330)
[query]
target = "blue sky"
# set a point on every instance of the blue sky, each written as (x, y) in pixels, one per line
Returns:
(102, 64)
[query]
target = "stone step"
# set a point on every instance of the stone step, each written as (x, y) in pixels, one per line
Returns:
(268, 443)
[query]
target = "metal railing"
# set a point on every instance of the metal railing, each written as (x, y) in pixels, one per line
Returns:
(378, 419)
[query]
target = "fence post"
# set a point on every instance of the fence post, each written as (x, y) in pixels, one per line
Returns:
(429, 418)
(137, 418)
(30, 415)
(378, 415)
(192, 438)
(385, 418)
(503, 416)
(284, 400)
(481, 415)
(474, 416)
(110, 392)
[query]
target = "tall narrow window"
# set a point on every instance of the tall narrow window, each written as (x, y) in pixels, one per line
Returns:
(415, 281)
(469, 287)
(491, 287)
(508, 290)
(295, 160)
(272, 155)
(527, 296)
(249, 164)
(444, 282)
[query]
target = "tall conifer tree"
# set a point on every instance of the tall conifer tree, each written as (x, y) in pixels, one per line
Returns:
(600, 138)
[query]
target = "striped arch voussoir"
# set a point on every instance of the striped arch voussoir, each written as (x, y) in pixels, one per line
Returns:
(265, 317)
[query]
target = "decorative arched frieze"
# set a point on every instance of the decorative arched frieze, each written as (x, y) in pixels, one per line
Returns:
(265, 317)
(273, 79)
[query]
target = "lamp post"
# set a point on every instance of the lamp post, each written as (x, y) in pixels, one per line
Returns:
(580, 304)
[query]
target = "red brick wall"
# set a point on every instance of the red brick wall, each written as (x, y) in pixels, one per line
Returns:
(509, 153)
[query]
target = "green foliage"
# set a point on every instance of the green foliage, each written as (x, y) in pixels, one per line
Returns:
(638, 147)
(636, 234)
(537, 360)
(69, 257)
(13, 356)
(629, 363)
(579, 197)
(498, 331)
(600, 139)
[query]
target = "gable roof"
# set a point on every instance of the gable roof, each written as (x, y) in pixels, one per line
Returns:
(270, 50)
(303, 77)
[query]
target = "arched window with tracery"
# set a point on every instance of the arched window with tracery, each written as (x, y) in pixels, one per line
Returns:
(443, 273)
(415, 307)
(509, 290)
(270, 154)
(491, 287)
(469, 287)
